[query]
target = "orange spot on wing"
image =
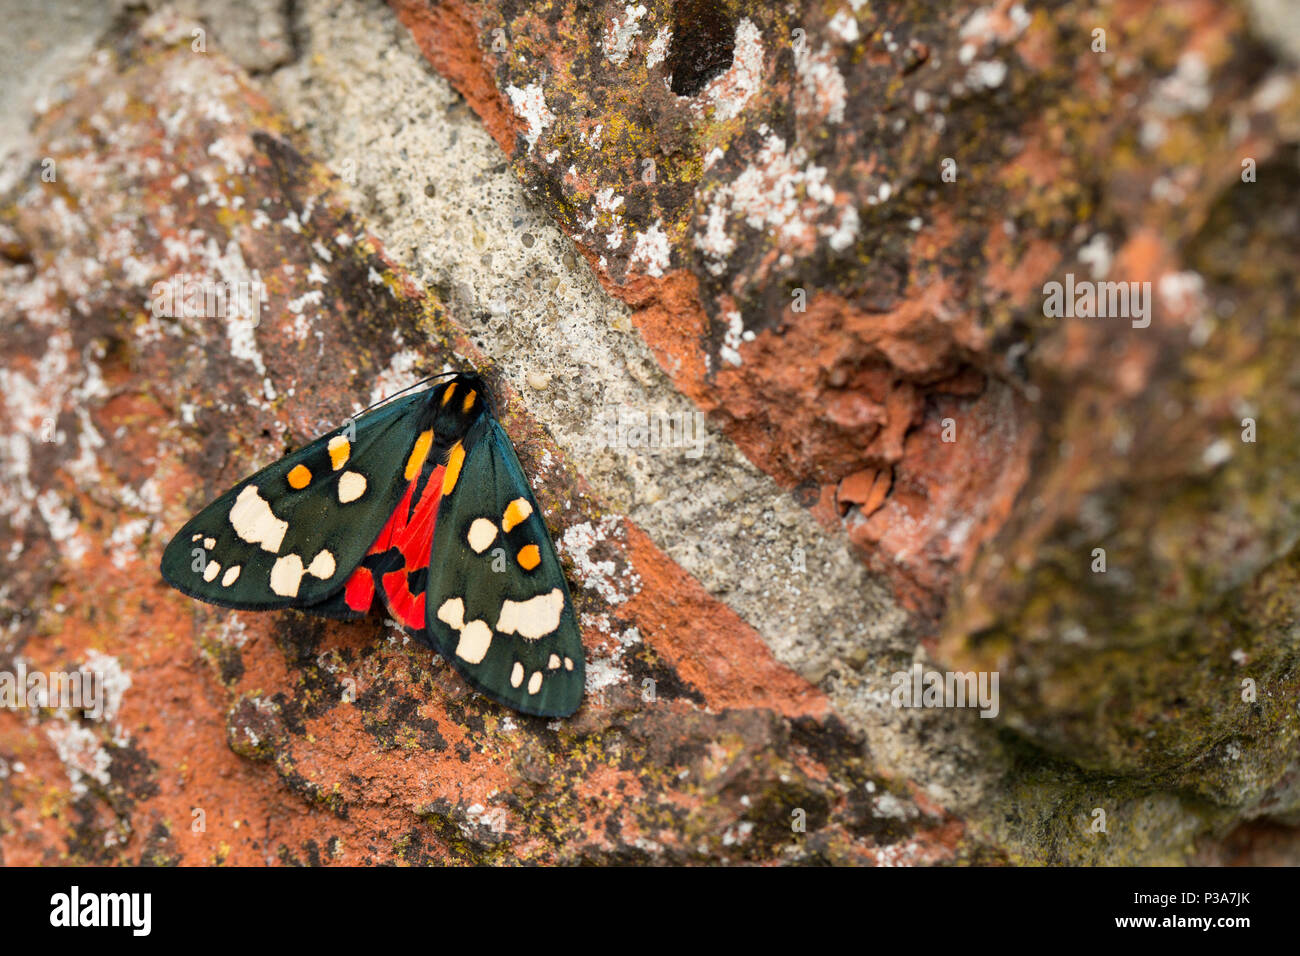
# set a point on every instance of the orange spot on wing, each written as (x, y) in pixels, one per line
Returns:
(516, 512)
(340, 448)
(529, 557)
(446, 396)
(419, 453)
(469, 401)
(299, 477)
(455, 458)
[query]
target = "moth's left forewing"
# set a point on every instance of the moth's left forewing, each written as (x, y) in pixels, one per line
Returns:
(498, 606)
(290, 535)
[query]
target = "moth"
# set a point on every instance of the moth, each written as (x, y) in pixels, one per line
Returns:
(419, 507)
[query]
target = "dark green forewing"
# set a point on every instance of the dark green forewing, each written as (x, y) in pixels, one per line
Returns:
(267, 528)
(500, 634)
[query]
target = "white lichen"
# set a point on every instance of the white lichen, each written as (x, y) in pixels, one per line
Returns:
(617, 41)
(652, 250)
(730, 92)
(658, 49)
(530, 106)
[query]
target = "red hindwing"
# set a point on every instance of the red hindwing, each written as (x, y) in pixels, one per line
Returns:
(399, 558)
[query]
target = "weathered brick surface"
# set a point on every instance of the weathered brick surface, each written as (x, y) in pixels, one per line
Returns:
(810, 161)
(799, 268)
(302, 740)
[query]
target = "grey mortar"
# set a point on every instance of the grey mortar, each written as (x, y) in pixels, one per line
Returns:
(39, 45)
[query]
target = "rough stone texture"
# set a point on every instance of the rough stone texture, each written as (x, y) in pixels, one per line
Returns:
(791, 262)
(823, 138)
(694, 743)
(36, 50)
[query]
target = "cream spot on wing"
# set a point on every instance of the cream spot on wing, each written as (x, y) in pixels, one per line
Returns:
(535, 682)
(568, 663)
(231, 576)
(286, 575)
(255, 522)
(196, 536)
(352, 485)
(517, 675)
(211, 571)
(516, 513)
(322, 566)
(340, 448)
(452, 613)
(553, 663)
(481, 534)
(475, 639)
(534, 618)
(209, 543)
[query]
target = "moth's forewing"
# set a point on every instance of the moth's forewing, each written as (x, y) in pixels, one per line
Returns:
(290, 535)
(497, 603)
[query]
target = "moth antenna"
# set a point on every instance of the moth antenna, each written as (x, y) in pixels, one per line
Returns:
(389, 398)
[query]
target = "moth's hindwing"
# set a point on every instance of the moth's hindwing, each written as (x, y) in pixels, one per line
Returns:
(290, 535)
(497, 604)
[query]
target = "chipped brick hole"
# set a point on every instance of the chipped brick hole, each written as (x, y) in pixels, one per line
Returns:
(864, 492)
(702, 47)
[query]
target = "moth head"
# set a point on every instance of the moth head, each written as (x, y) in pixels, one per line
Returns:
(458, 402)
